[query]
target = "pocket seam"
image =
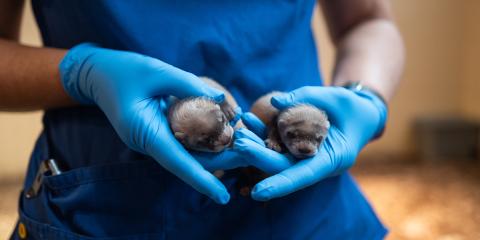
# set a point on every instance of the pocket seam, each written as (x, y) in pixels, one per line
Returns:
(103, 173)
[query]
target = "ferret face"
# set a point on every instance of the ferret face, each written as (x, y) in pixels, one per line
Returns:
(205, 128)
(302, 131)
(303, 140)
(215, 137)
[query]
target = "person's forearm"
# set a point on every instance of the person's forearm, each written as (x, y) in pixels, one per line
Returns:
(29, 78)
(371, 53)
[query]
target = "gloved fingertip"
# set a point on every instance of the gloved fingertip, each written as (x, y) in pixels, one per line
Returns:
(245, 142)
(206, 90)
(254, 124)
(222, 198)
(261, 194)
(249, 116)
(218, 96)
(238, 116)
(282, 101)
(243, 134)
(238, 111)
(237, 134)
(239, 144)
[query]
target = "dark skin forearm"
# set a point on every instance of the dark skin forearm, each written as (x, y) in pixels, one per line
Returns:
(29, 77)
(369, 46)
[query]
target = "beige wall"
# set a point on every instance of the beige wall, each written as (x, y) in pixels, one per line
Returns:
(441, 77)
(443, 43)
(434, 37)
(470, 98)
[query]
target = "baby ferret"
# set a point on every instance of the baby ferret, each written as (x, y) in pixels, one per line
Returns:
(299, 129)
(201, 124)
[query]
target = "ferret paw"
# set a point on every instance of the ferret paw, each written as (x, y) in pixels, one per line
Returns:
(273, 144)
(245, 191)
(229, 111)
(219, 174)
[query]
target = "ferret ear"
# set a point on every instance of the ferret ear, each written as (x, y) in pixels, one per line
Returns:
(325, 125)
(282, 123)
(180, 136)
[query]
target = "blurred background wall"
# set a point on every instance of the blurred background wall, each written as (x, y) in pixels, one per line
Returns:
(441, 77)
(442, 71)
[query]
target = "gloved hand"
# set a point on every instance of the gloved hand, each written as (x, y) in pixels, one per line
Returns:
(355, 116)
(131, 89)
(232, 158)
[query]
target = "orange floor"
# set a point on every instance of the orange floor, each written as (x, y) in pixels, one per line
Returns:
(425, 201)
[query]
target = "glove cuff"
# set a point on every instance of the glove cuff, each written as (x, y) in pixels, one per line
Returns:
(72, 74)
(377, 100)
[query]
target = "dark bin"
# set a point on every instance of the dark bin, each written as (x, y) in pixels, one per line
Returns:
(442, 138)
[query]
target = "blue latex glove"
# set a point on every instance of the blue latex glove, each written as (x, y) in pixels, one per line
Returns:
(132, 89)
(355, 116)
(233, 158)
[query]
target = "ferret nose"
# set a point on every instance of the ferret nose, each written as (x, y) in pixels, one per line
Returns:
(225, 140)
(305, 150)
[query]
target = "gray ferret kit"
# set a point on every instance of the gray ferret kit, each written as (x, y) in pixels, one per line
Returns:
(300, 129)
(201, 124)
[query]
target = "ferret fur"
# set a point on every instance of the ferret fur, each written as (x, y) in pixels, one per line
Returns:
(299, 129)
(201, 124)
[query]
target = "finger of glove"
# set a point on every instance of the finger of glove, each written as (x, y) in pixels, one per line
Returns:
(263, 158)
(333, 100)
(238, 116)
(254, 124)
(225, 160)
(245, 133)
(172, 156)
(303, 174)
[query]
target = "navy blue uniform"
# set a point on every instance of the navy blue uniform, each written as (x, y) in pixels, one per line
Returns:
(107, 190)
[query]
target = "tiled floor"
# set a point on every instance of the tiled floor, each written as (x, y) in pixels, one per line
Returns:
(416, 201)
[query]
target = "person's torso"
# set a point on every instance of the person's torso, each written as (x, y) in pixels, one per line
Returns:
(252, 47)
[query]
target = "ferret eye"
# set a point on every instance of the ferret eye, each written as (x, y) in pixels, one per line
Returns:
(319, 139)
(290, 135)
(203, 139)
(211, 140)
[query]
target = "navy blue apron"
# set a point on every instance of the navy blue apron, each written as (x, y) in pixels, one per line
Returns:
(107, 191)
